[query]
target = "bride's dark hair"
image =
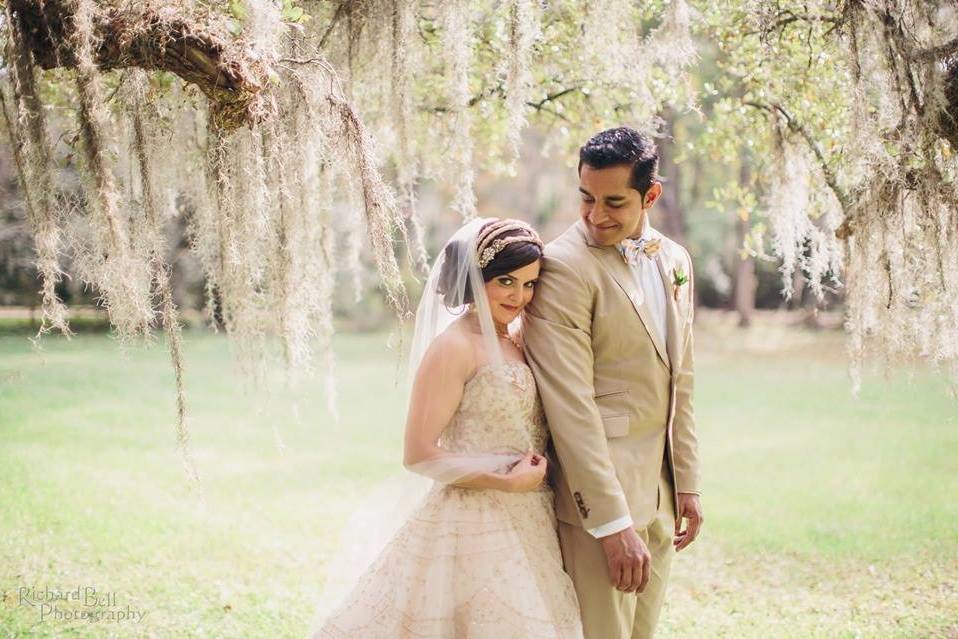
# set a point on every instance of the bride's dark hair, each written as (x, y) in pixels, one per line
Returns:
(509, 258)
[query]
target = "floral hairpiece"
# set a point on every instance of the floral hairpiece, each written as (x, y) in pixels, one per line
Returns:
(488, 244)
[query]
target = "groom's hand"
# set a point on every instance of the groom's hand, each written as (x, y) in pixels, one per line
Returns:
(628, 560)
(690, 507)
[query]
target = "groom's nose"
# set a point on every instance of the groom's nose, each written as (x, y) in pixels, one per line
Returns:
(596, 214)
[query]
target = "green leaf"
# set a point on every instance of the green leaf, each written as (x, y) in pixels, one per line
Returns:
(238, 10)
(293, 14)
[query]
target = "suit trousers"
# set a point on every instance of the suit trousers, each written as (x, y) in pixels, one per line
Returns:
(608, 613)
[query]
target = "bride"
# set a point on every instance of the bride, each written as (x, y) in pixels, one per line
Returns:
(479, 557)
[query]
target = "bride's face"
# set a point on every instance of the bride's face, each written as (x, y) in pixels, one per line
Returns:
(508, 294)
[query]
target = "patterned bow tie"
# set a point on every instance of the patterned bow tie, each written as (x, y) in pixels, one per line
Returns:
(629, 248)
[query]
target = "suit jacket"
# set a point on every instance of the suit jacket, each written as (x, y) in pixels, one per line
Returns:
(617, 399)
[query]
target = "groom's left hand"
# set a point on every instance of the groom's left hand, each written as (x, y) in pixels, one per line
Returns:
(689, 507)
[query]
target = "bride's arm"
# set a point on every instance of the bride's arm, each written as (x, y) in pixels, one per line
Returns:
(436, 393)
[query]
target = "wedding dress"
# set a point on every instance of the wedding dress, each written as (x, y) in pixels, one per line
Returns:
(469, 563)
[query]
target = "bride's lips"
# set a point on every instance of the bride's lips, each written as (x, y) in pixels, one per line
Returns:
(511, 309)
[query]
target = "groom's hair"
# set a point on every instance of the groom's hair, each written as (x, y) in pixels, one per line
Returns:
(508, 258)
(623, 146)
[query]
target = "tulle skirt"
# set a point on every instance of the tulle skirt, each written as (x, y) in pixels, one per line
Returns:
(467, 564)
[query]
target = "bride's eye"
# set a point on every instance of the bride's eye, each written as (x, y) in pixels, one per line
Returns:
(531, 284)
(505, 281)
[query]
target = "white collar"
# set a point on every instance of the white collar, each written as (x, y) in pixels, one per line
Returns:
(648, 233)
(647, 230)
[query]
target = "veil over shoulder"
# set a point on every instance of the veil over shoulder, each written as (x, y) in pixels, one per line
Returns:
(455, 278)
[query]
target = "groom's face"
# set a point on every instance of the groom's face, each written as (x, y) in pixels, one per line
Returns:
(611, 209)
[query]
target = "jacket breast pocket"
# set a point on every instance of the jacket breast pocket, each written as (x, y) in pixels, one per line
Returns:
(612, 402)
(615, 425)
(614, 410)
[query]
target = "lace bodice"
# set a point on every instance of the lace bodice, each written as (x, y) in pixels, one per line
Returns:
(500, 411)
(482, 564)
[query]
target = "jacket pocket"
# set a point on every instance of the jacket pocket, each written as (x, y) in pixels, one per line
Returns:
(611, 393)
(615, 425)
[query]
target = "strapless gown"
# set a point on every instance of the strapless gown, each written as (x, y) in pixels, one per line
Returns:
(468, 563)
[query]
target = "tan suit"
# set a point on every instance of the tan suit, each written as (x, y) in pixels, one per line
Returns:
(618, 400)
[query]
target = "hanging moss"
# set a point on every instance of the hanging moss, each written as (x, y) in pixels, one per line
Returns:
(902, 227)
(153, 245)
(458, 47)
(121, 275)
(283, 131)
(24, 118)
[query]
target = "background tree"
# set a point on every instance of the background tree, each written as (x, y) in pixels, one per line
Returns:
(286, 135)
(850, 108)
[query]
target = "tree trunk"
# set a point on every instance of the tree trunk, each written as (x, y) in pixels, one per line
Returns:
(672, 217)
(745, 282)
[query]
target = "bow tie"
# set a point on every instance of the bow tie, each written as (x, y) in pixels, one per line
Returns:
(629, 248)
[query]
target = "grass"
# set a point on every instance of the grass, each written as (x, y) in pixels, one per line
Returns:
(826, 516)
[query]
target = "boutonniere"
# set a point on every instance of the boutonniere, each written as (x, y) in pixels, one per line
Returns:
(679, 278)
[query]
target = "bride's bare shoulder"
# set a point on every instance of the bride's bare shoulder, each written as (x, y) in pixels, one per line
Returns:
(452, 351)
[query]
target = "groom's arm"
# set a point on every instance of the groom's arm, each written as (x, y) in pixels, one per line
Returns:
(558, 335)
(684, 442)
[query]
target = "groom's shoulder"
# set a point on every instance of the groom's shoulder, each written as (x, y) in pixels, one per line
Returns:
(565, 266)
(677, 251)
(569, 248)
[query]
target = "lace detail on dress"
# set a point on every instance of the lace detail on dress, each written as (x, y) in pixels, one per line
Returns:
(500, 411)
(475, 564)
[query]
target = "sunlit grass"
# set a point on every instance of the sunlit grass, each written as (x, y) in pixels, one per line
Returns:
(826, 515)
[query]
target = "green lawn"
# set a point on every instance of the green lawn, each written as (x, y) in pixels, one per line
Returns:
(826, 516)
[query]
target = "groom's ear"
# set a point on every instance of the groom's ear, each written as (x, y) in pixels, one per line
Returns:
(651, 195)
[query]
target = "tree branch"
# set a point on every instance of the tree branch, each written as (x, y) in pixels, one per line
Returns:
(203, 53)
(790, 17)
(846, 227)
(936, 53)
(552, 97)
(340, 10)
(541, 105)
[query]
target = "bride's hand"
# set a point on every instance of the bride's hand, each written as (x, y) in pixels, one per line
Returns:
(527, 474)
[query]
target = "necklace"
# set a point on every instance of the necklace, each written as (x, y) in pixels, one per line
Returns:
(509, 337)
(501, 334)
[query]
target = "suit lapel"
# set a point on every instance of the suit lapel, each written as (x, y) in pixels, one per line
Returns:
(613, 263)
(671, 310)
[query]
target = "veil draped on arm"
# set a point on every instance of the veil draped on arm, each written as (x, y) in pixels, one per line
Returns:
(455, 281)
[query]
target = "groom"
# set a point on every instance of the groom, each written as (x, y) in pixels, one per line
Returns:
(609, 337)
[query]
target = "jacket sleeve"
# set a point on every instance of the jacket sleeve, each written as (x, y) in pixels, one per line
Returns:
(684, 442)
(558, 335)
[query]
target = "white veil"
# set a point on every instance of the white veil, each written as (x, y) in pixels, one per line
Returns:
(454, 273)
(453, 288)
